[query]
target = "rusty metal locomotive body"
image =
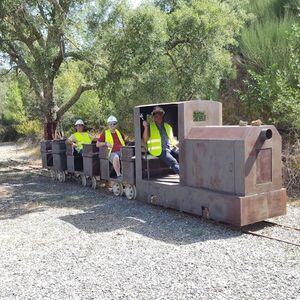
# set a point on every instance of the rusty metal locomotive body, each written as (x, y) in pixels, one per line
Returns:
(227, 173)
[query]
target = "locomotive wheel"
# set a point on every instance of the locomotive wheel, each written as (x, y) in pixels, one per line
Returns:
(117, 189)
(83, 180)
(61, 176)
(94, 182)
(130, 191)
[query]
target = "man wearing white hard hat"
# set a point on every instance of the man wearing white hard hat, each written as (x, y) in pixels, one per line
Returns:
(158, 136)
(114, 140)
(79, 138)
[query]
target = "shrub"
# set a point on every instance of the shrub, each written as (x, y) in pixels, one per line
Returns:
(30, 128)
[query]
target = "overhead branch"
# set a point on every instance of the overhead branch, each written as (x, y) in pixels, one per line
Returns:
(81, 57)
(21, 63)
(28, 21)
(57, 6)
(57, 61)
(3, 74)
(81, 89)
(172, 44)
(173, 62)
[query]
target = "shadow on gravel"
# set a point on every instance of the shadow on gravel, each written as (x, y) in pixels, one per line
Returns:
(103, 212)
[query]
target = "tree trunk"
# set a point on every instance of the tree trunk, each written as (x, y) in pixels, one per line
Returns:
(49, 130)
(53, 115)
(50, 109)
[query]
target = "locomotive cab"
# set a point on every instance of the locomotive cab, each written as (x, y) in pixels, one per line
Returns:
(181, 116)
(154, 168)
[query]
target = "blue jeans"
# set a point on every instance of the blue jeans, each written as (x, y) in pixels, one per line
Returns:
(170, 157)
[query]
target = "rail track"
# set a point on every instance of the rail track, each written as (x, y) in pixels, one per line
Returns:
(252, 229)
(249, 230)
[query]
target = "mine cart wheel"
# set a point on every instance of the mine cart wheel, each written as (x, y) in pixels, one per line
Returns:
(53, 174)
(94, 182)
(83, 180)
(62, 176)
(117, 188)
(130, 191)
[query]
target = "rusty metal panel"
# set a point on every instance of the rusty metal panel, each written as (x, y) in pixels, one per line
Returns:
(69, 149)
(104, 169)
(263, 165)
(89, 150)
(221, 207)
(127, 153)
(103, 152)
(46, 145)
(91, 165)
(58, 146)
(128, 171)
(47, 159)
(212, 111)
(70, 163)
(210, 165)
(59, 161)
(258, 207)
(262, 170)
(277, 203)
(239, 167)
(74, 163)
(219, 133)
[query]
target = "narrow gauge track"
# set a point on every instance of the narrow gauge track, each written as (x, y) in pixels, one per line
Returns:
(245, 229)
(271, 224)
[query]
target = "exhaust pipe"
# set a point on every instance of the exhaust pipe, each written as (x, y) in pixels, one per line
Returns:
(266, 134)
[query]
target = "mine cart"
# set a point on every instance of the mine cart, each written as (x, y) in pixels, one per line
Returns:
(227, 173)
(107, 172)
(59, 158)
(46, 153)
(91, 163)
(128, 171)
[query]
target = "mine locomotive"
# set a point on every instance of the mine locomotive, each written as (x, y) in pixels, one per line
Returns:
(230, 174)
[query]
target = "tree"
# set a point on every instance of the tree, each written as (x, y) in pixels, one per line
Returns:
(175, 51)
(36, 35)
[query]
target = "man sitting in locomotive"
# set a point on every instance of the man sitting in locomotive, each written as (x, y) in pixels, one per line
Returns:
(158, 136)
(114, 140)
(79, 138)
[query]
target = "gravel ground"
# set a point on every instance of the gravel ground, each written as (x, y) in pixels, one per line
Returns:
(63, 241)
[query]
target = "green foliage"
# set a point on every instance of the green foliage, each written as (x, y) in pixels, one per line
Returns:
(38, 37)
(265, 44)
(274, 94)
(13, 104)
(270, 49)
(17, 118)
(87, 107)
(30, 128)
(155, 55)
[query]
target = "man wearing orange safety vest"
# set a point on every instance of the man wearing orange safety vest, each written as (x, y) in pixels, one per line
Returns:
(158, 136)
(79, 138)
(114, 140)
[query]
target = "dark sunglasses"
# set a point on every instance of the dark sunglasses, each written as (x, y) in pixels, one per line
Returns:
(113, 124)
(156, 113)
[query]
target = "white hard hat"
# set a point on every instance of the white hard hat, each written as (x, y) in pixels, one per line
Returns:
(112, 119)
(157, 109)
(79, 122)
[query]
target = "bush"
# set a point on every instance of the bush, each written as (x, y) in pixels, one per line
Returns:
(30, 128)
(273, 93)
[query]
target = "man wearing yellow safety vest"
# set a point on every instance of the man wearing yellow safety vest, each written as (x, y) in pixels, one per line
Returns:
(79, 138)
(114, 140)
(160, 140)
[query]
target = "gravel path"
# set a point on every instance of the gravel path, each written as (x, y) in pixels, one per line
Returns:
(63, 241)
